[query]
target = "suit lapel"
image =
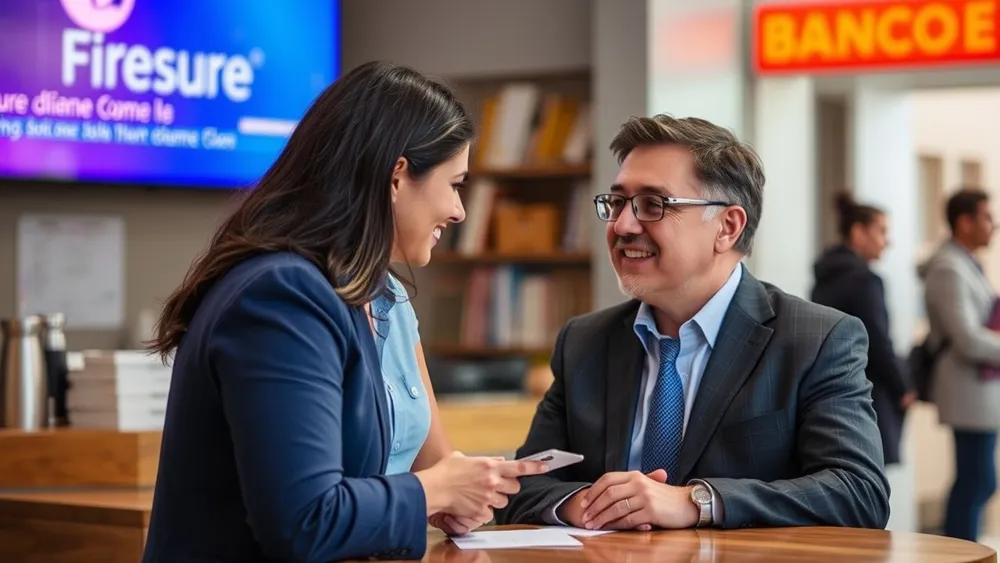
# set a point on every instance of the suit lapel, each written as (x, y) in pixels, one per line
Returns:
(739, 345)
(370, 355)
(625, 361)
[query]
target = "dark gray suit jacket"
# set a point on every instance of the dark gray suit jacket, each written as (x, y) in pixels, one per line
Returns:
(782, 427)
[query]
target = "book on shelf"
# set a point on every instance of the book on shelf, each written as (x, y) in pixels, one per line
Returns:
(507, 306)
(521, 125)
(473, 236)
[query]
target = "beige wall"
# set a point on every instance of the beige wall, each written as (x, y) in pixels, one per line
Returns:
(167, 228)
(957, 125)
(470, 37)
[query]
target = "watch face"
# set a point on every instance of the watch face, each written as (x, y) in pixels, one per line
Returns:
(701, 495)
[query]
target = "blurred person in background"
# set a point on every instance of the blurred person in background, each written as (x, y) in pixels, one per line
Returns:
(845, 282)
(301, 424)
(960, 301)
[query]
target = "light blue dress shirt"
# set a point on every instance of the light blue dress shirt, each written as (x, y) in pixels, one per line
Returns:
(697, 338)
(396, 337)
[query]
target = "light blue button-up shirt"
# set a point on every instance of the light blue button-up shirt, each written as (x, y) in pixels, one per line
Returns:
(396, 337)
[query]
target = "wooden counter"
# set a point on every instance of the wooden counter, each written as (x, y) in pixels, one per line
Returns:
(488, 426)
(82, 527)
(68, 457)
(787, 545)
(110, 527)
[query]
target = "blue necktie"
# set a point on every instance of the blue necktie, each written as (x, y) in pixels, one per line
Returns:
(661, 447)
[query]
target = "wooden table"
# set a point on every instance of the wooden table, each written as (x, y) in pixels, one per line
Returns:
(110, 527)
(777, 545)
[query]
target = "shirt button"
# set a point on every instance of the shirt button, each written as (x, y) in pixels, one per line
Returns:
(414, 392)
(389, 386)
(395, 447)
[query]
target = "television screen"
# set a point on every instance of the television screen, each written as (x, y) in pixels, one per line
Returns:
(158, 92)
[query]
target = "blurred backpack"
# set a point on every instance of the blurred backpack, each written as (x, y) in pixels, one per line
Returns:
(921, 362)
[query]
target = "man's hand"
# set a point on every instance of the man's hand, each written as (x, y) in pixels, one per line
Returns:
(633, 501)
(571, 511)
(457, 525)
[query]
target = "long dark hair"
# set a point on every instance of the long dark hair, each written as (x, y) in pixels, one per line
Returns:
(328, 197)
(850, 213)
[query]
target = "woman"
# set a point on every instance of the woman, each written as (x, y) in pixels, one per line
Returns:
(845, 282)
(287, 436)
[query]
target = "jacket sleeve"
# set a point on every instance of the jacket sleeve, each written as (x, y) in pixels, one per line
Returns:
(278, 350)
(540, 495)
(948, 293)
(884, 367)
(839, 451)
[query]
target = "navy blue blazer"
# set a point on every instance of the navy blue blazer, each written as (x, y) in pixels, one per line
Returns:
(276, 436)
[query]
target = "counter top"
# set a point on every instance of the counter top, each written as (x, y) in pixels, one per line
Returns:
(764, 545)
(82, 526)
(110, 526)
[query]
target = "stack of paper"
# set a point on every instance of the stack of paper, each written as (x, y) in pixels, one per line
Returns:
(117, 390)
(579, 532)
(551, 536)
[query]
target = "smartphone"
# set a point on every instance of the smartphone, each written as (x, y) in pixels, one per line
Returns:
(556, 459)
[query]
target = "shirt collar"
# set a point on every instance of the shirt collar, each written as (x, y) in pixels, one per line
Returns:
(975, 261)
(396, 294)
(708, 318)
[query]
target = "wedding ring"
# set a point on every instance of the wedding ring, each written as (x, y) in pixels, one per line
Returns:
(628, 506)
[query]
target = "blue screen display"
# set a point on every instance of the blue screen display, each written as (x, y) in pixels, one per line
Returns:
(189, 93)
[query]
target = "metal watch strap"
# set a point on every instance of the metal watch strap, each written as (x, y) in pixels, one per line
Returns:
(705, 515)
(705, 505)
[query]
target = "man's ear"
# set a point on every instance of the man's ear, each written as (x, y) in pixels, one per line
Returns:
(732, 221)
(965, 224)
(399, 174)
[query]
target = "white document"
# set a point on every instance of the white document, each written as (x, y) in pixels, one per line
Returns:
(579, 532)
(72, 264)
(507, 539)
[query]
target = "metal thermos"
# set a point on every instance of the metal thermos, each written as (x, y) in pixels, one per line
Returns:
(23, 385)
(57, 379)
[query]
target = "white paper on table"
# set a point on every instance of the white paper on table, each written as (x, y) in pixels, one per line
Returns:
(72, 264)
(506, 539)
(579, 532)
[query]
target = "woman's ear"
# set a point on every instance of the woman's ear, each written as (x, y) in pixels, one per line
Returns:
(399, 176)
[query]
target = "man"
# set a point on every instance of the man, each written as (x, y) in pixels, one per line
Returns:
(960, 301)
(710, 398)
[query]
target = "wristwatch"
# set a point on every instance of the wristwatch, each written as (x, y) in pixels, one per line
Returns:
(702, 498)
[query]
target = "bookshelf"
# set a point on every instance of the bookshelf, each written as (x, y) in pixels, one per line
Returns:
(501, 284)
(459, 350)
(535, 172)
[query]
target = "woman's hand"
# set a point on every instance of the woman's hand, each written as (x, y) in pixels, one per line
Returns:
(470, 486)
(458, 525)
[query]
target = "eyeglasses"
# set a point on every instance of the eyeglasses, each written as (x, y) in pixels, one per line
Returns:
(646, 207)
